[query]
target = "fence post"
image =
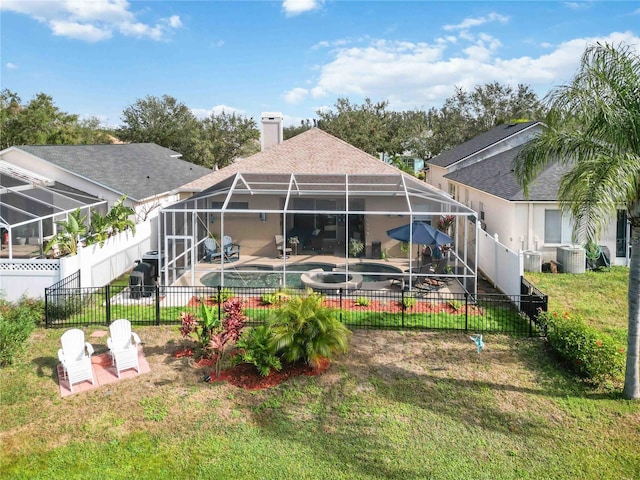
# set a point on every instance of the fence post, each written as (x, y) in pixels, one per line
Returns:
(340, 294)
(219, 306)
(403, 306)
(157, 305)
(466, 311)
(46, 308)
(107, 294)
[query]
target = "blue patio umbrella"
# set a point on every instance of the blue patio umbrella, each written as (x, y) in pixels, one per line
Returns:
(421, 233)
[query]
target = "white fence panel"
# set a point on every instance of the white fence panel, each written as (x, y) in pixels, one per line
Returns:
(27, 277)
(98, 266)
(503, 267)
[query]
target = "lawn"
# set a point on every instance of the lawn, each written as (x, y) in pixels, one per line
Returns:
(399, 405)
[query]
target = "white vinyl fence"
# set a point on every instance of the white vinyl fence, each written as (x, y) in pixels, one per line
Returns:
(503, 267)
(98, 266)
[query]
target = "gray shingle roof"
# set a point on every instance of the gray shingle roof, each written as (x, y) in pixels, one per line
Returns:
(313, 152)
(478, 143)
(495, 176)
(138, 170)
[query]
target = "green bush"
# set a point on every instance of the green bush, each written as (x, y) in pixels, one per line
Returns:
(17, 321)
(590, 353)
(363, 301)
(60, 307)
(273, 298)
(305, 329)
(253, 347)
(408, 302)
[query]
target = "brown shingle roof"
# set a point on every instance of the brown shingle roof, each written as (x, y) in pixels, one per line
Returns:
(312, 152)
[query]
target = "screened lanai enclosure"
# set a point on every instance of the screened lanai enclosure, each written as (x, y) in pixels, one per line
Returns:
(30, 206)
(281, 230)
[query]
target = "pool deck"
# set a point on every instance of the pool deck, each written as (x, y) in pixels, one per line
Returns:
(402, 264)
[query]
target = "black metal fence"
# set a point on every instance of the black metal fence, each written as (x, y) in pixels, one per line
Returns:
(364, 309)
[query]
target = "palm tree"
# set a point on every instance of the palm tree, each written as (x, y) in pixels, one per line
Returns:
(68, 236)
(593, 128)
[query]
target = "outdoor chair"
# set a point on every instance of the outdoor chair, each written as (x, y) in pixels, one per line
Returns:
(282, 249)
(75, 357)
(230, 249)
(211, 249)
(123, 346)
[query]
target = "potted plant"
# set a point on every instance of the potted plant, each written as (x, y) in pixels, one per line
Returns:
(356, 247)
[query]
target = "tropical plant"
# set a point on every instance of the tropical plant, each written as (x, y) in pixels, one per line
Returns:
(592, 130)
(98, 230)
(68, 235)
(305, 329)
(203, 327)
(363, 301)
(253, 348)
(356, 247)
(119, 217)
(229, 332)
(407, 302)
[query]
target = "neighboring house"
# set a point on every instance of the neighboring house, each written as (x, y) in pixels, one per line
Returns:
(148, 174)
(479, 173)
(42, 185)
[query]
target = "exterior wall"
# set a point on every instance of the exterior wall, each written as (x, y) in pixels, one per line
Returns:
(501, 265)
(435, 177)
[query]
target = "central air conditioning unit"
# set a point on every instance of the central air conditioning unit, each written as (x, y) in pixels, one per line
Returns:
(532, 261)
(572, 258)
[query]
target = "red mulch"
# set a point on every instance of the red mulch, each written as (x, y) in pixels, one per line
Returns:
(246, 376)
(374, 306)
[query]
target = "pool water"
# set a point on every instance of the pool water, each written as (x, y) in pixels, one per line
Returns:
(265, 276)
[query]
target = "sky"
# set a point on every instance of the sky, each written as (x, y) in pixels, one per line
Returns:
(97, 57)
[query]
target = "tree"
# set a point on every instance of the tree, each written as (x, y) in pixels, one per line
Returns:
(465, 115)
(593, 128)
(166, 122)
(365, 126)
(290, 132)
(229, 136)
(41, 122)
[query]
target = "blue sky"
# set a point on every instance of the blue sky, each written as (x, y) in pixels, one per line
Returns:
(96, 57)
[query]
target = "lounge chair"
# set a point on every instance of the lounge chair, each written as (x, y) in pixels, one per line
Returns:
(281, 247)
(123, 346)
(75, 357)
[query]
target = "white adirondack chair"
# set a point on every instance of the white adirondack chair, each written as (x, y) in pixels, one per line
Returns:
(123, 346)
(75, 357)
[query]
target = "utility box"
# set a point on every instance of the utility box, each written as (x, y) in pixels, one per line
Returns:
(153, 257)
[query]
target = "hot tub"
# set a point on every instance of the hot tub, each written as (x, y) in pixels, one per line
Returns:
(322, 281)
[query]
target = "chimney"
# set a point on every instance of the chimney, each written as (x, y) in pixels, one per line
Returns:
(272, 130)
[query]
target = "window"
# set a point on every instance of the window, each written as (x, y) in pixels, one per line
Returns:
(452, 190)
(557, 227)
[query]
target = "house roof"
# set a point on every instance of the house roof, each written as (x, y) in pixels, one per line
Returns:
(478, 143)
(312, 152)
(495, 175)
(137, 170)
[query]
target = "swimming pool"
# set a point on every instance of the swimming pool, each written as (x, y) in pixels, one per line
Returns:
(266, 276)
(261, 276)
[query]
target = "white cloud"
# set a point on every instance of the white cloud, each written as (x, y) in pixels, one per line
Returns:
(92, 21)
(203, 113)
(577, 5)
(11, 66)
(296, 95)
(475, 22)
(296, 7)
(217, 44)
(424, 75)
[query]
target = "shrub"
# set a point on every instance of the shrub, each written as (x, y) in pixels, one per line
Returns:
(61, 306)
(17, 322)
(273, 298)
(456, 305)
(408, 302)
(590, 353)
(253, 347)
(305, 329)
(363, 301)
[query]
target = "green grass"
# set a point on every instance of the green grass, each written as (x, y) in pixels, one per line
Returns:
(417, 405)
(600, 297)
